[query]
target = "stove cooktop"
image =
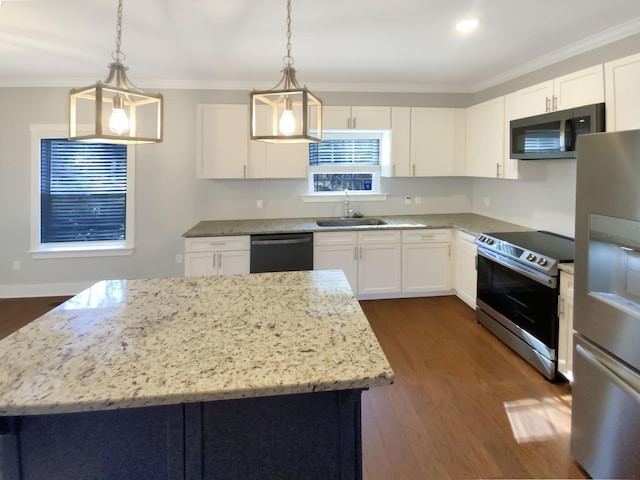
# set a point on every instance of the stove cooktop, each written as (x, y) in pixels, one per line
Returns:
(544, 243)
(539, 250)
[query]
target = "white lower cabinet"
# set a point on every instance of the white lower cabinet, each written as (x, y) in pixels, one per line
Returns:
(426, 261)
(565, 328)
(216, 255)
(465, 276)
(379, 262)
(371, 260)
(337, 250)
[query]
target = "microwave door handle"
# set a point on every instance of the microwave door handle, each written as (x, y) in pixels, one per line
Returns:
(563, 140)
(570, 136)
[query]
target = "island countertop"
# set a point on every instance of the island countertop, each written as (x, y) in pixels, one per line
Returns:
(139, 343)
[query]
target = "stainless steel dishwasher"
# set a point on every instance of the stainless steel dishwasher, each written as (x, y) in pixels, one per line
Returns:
(281, 252)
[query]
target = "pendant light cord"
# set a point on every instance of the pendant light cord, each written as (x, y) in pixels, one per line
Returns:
(288, 59)
(117, 55)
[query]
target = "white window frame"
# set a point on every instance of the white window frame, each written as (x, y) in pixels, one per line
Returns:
(375, 193)
(76, 249)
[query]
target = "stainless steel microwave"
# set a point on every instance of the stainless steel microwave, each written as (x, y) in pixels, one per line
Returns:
(554, 134)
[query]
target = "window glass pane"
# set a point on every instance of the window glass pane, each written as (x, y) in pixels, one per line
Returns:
(345, 152)
(83, 191)
(339, 182)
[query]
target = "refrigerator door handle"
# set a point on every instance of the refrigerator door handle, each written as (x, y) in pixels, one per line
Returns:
(624, 378)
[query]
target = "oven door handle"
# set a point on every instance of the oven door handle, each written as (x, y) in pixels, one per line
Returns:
(547, 280)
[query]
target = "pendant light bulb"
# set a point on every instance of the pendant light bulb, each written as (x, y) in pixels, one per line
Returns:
(119, 122)
(287, 123)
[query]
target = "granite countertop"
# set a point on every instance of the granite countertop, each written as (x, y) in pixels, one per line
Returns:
(466, 222)
(138, 343)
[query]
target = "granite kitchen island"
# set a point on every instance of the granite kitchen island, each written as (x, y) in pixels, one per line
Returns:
(245, 376)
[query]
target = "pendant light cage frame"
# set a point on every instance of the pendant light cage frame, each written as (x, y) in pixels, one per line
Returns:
(90, 107)
(267, 106)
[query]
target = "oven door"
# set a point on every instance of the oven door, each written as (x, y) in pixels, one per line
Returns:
(522, 296)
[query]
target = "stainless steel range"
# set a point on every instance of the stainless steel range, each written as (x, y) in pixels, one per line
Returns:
(518, 291)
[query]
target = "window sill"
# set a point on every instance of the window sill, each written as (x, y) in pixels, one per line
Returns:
(83, 250)
(339, 196)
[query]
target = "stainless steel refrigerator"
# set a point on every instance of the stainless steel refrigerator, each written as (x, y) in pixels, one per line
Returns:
(605, 430)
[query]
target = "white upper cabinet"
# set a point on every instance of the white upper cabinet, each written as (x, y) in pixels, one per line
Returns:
(579, 88)
(485, 139)
(222, 138)
(276, 160)
(358, 118)
(622, 80)
(426, 142)
(224, 149)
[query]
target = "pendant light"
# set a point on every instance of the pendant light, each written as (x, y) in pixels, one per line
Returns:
(115, 111)
(288, 113)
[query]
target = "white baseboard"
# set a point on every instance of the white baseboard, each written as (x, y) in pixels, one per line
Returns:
(43, 289)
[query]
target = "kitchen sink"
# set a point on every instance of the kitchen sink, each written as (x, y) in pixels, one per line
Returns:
(350, 222)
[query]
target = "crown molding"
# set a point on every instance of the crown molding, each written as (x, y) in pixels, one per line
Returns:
(619, 32)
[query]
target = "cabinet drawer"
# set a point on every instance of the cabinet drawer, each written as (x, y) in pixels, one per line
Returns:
(335, 238)
(210, 244)
(426, 236)
(377, 237)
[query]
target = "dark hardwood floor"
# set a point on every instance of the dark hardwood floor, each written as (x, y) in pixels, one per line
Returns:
(447, 416)
(17, 312)
(458, 391)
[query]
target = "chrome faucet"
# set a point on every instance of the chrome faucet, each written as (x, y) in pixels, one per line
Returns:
(346, 204)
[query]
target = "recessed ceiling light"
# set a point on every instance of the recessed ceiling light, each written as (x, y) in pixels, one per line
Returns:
(467, 25)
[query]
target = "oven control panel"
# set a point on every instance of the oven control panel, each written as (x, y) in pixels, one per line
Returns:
(527, 257)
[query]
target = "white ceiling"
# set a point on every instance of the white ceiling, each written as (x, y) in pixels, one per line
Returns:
(383, 45)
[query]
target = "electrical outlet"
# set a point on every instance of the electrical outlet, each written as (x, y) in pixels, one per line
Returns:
(179, 258)
(259, 204)
(15, 265)
(407, 200)
(418, 200)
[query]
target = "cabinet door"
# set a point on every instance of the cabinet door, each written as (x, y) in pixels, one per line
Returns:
(622, 78)
(565, 327)
(233, 262)
(379, 269)
(276, 160)
(512, 111)
(465, 274)
(533, 100)
(437, 141)
(485, 139)
(199, 264)
(222, 141)
(583, 87)
(400, 161)
(336, 118)
(371, 118)
(426, 267)
(341, 257)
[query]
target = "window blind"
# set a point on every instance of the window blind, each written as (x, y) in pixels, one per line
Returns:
(345, 152)
(83, 188)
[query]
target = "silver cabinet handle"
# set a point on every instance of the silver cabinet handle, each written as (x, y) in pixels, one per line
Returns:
(547, 104)
(354, 124)
(244, 171)
(214, 259)
(498, 169)
(555, 103)
(216, 244)
(355, 253)
(360, 253)
(220, 263)
(393, 170)
(348, 122)
(560, 306)
(413, 170)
